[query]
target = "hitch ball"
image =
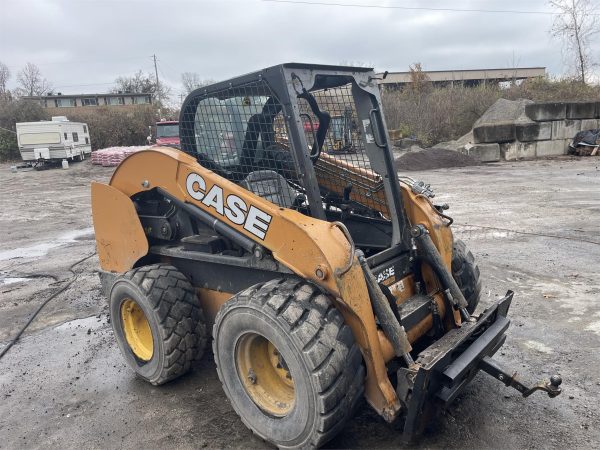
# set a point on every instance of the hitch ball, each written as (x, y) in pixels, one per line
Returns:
(555, 381)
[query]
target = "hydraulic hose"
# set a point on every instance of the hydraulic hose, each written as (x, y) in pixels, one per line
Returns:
(391, 327)
(429, 253)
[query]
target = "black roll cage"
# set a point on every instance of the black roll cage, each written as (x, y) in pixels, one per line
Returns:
(283, 85)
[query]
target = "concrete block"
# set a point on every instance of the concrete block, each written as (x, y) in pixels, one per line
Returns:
(546, 111)
(581, 110)
(497, 132)
(590, 124)
(554, 147)
(518, 150)
(483, 152)
(533, 131)
(565, 129)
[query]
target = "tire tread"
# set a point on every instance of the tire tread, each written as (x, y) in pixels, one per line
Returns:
(327, 344)
(466, 273)
(182, 323)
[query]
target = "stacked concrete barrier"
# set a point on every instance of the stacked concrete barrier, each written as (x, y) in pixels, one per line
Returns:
(524, 130)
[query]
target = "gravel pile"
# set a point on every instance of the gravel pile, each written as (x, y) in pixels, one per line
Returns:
(433, 158)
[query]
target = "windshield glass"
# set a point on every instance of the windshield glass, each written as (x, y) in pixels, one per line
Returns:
(171, 130)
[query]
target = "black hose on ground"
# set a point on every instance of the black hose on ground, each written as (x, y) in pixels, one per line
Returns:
(44, 303)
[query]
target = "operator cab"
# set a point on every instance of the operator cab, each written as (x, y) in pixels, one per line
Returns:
(306, 137)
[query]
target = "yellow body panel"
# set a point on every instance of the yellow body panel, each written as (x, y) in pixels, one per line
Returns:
(120, 239)
(211, 301)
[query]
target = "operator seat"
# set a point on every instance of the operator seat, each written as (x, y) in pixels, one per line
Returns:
(271, 186)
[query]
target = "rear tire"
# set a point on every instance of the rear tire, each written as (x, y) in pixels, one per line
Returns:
(466, 274)
(157, 321)
(288, 363)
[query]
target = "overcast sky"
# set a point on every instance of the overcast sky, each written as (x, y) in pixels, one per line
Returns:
(83, 45)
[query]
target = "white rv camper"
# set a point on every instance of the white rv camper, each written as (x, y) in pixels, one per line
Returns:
(53, 140)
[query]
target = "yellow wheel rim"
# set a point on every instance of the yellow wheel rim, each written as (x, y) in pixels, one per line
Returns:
(265, 375)
(137, 330)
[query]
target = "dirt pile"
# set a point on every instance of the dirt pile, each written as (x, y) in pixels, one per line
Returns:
(433, 158)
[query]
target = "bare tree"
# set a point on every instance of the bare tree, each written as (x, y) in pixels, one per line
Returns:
(419, 80)
(31, 82)
(575, 24)
(4, 77)
(141, 83)
(192, 80)
(138, 83)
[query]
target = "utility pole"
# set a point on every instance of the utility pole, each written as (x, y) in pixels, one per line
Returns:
(157, 85)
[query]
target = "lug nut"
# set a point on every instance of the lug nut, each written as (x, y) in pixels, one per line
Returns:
(321, 272)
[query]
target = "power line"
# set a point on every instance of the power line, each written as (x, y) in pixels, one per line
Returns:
(172, 71)
(418, 8)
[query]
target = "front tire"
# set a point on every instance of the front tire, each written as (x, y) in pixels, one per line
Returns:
(288, 363)
(466, 274)
(157, 321)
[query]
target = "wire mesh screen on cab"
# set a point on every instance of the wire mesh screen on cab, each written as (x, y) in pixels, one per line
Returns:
(343, 168)
(240, 134)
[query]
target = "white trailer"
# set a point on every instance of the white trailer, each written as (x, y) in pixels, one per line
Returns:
(53, 140)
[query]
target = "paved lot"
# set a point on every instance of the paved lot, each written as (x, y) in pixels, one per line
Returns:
(534, 227)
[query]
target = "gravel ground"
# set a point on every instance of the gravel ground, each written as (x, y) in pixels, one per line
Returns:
(533, 227)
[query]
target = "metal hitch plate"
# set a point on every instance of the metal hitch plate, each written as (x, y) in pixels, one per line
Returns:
(443, 369)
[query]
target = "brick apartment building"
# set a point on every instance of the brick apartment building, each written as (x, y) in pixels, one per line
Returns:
(61, 103)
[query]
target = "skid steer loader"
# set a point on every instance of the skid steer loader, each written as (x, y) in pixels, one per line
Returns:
(324, 278)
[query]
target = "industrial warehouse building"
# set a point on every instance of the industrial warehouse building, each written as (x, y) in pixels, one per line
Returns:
(470, 77)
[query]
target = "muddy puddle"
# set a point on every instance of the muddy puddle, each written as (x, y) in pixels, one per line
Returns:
(42, 249)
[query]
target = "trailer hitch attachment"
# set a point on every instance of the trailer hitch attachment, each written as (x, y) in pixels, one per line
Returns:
(550, 387)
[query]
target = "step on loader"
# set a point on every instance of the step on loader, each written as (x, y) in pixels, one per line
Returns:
(322, 277)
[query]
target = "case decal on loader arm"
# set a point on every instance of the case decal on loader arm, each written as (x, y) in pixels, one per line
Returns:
(232, 207)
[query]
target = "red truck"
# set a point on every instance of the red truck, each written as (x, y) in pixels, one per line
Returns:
(167, 133)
